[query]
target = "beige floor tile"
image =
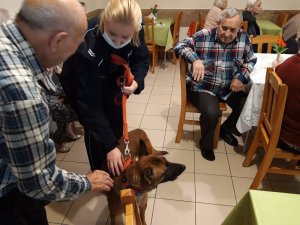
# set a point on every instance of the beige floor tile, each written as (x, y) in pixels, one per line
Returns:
(218, 167)
(286, 187)
(174, 110)
(197, 136)
(186, 141)
(176, 91)
(152, 193)
(60, 156)
(214, 189)
(161, 91)
(135, 108)
(207, 214)
(89, 209)
(163, 83)
(176, 99)
(141, 98)
(181, 156)
(154, 122)
(76, 167)
(77, 153)
(172, 124)
(236, 168)
(157, 110)
(149, 210)
(148, 88)
(183, 188)
(156, 137)
(242, 185)
(167, 212)
(56, 211)
(149, 81)
(159, 99)
(134, 121)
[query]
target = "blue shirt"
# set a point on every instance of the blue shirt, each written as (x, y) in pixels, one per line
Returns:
(27, 155)
(222, 62)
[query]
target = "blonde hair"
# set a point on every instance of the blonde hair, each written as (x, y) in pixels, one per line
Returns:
(124, 11)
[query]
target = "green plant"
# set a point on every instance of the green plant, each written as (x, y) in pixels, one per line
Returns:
(279, 47)
(154, 10)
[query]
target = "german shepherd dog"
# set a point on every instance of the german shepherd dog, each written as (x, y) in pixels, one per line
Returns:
(147, 170)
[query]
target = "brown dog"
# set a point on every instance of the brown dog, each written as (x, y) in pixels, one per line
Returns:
(148, 170)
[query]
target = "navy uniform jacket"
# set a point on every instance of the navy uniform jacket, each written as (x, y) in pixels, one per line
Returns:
(89, 81)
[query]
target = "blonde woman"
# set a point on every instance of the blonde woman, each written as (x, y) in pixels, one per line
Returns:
(212, 17)
(89, 78)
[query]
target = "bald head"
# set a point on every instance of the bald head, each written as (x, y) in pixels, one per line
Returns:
(49, 15)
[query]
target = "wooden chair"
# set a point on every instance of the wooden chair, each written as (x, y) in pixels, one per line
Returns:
(201, 21)
(132, 214)
(187, 106)
(149, 39)
(282, 18)
(264, 39)
(94, 13)
(192, 29)
(244, 26)
(175, 34)
(268, 131)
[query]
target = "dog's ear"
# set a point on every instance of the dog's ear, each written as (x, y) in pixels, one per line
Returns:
(148, 175)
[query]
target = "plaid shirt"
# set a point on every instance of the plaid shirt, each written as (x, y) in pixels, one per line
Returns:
(222, 62)
(27, 155)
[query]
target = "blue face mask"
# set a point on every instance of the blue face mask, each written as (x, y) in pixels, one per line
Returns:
(112, 44)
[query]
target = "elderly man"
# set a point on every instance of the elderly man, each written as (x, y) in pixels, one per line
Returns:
(44, 34)
(222, 60)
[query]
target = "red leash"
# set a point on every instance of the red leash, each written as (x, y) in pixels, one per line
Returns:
(125, 80)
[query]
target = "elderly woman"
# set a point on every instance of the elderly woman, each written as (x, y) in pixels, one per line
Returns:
(212, 17)
(253, 8)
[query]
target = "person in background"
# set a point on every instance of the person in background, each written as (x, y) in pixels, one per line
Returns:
(290, 30)
(288, 71)
(222, 59)
(62, 114)
(89, 79)
(43, 34)
(253, 8)
(4, 15)
(212, 18)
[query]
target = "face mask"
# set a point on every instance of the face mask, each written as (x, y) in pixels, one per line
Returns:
(112, 44)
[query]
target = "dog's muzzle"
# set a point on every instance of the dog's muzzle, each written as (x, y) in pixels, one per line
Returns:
(173, 171)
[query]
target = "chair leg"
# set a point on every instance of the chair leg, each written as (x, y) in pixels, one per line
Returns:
(263, 168)
(253, 148)
(217, 133)
(180, 124)
(174, 58)
(153, 62)
(293, 164)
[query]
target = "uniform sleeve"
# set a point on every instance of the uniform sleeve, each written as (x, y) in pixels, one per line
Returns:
(139, 62)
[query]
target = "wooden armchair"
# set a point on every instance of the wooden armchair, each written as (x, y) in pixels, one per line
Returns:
(282, 18)
(132, 214)
(149, 39)
(187, 106)
(264, 39)
(268, 131)
(201, 21)
(175, 34)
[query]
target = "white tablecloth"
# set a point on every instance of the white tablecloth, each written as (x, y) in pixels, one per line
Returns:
(250, 114)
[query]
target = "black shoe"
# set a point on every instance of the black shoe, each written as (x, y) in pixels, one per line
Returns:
(208, 154)
(228, 137)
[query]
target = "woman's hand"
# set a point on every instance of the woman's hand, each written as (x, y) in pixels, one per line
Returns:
(198, 70)
(115, 161)
(131, 89)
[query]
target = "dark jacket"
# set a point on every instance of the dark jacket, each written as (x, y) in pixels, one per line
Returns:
(253, 28)
(89, 81)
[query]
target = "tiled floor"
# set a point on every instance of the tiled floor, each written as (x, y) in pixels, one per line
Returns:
(203, 195)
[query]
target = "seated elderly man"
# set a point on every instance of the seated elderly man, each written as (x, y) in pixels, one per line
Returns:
(222, 60)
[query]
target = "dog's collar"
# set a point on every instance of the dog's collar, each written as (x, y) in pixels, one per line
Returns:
(125, 184)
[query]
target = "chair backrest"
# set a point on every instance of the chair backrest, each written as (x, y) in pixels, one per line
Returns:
(132, 214)
(264, 39)
(192, 29)
(244, 26)
(149, 31)
(274, 99)
(201, 21)
(183, 65)
(94, 13)
(282, 18)
(177, 25)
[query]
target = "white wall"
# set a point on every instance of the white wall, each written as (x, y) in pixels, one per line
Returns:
(13, 5)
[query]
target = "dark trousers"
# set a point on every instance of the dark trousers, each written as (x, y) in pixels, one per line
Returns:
(208, 106)
(17, 208)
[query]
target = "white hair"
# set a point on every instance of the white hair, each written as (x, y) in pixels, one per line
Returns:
(251, 3)
(219, 3)
(229, 13)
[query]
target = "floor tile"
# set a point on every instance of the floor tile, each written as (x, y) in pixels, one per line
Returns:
(154, 122)
(159, 99)
(176, 99)
(77, 153)
(218, 167)
(161, 91)
(157, 110)
(135, 108)
(141, 98)
(286, 187)
(76, 167)
(184, 157)
(167, 212)
(172, 124)
(56, 211)
(186, 141)
(208, 214)
(88, 209)
(214, 189)
(183, 188)
(163, 83)
(134, 120)
(236, 168)
(156, 137)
